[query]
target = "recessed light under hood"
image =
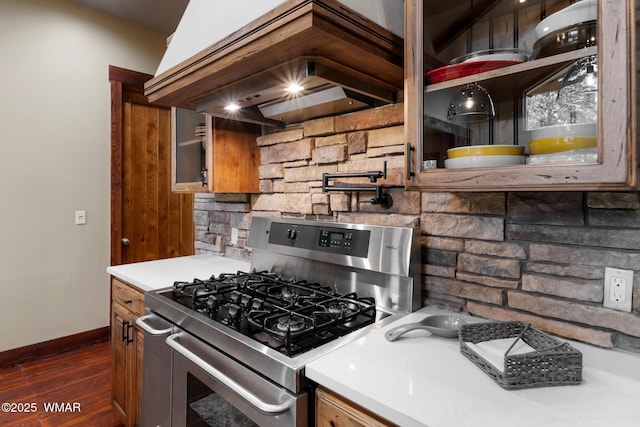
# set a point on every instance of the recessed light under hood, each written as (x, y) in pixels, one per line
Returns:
(323, 101)
(328, 90)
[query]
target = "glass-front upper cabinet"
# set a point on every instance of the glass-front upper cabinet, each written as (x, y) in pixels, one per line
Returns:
(189, 150)
(520, 95)
(211, 154)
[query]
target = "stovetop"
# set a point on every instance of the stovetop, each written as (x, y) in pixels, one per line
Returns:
(290, 316)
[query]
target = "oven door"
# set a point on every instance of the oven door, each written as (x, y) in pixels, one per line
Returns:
(212, 389)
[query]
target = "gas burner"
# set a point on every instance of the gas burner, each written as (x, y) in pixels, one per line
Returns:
(346, 307)
(292, 324)
(339, 309)
(288, 294)
(201, 292)
(295, 293)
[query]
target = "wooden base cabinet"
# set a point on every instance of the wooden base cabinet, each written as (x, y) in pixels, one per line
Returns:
(335, 411)
(127, 304)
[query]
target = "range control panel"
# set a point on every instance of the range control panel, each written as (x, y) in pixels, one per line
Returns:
(336, 240)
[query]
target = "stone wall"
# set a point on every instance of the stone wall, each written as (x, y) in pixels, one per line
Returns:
(533, 256)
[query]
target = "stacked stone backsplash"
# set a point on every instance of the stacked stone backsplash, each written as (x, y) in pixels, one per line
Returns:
(532, 256)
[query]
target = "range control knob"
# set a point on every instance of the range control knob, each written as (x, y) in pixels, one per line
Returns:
(292, 233)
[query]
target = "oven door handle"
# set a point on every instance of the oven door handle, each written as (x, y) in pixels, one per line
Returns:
(260, 405)
(141, 322)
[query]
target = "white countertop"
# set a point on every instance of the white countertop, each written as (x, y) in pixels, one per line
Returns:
(152, 275)
(422, 380)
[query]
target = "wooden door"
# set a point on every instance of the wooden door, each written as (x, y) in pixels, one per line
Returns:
(148, 221)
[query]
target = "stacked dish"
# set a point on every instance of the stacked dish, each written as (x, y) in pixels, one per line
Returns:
(476, 156)
(559, 138)
(478, 62)
(503, 54)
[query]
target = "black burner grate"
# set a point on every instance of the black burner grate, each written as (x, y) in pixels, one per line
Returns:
(287, 315)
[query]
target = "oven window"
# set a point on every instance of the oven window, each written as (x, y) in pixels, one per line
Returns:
(207, 408)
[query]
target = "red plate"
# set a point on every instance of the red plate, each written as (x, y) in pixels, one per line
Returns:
(454, 71)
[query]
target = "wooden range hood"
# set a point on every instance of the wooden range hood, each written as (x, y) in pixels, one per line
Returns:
(323, 41)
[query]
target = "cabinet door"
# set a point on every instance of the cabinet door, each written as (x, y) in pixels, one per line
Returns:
(211, 154)
(235, 156)
(122, 364)
(189, 141)
(438, 33)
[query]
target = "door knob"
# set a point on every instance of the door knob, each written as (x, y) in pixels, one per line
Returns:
(125, 241)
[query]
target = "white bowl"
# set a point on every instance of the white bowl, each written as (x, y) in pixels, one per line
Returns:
(577, 13)
(482, 161)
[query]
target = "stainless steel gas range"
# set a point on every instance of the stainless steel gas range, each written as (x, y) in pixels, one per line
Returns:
(231, 350)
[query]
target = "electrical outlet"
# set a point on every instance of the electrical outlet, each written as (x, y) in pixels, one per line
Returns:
(618, 288)
(234, 236)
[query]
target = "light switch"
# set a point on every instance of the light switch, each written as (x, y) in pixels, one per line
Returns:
(81, 217)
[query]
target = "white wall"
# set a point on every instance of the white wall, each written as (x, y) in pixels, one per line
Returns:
(54, 160)
(206, 22)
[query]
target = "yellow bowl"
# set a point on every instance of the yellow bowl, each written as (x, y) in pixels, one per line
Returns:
(561, 143)
(485, 150)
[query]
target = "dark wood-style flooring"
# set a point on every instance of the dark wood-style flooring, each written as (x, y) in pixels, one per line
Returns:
(79, 380)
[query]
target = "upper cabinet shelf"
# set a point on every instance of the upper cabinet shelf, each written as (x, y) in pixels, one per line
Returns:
(513, 76)
(526, 96)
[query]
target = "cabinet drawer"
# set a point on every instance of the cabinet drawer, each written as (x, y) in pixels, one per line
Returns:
(127, 296)
(335, 411)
